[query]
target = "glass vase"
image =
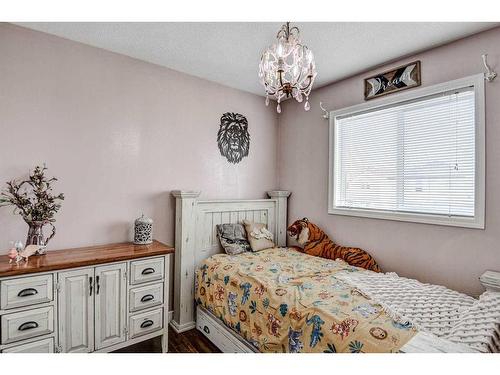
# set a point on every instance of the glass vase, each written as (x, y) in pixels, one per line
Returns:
(35, 233)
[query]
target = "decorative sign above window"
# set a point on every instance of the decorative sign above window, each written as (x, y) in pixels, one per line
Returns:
(400, 78)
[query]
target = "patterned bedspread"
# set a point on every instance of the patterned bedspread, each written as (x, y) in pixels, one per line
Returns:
(281, 300)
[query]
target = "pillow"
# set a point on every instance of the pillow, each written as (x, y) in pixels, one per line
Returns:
(233, 238)
(258, 236)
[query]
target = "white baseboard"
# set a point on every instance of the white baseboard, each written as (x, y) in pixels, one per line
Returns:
(179, 328)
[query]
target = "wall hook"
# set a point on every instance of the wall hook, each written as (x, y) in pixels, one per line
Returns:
(326, 114)
(490, 75)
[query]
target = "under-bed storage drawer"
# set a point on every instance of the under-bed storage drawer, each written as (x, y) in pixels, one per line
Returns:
(146, 322)
(142, 271)
(143, 297)
(42, 346)
(25, 324)
(225, 341)
(25, 291)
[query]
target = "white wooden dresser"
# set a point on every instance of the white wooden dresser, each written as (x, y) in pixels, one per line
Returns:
(93, 299)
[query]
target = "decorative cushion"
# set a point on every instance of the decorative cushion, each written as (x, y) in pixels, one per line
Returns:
(233, 238)
(258, 236)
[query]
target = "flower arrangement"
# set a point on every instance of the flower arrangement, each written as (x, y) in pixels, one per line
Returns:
(34, 201)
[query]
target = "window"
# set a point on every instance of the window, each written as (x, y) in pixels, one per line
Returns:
(417, 156)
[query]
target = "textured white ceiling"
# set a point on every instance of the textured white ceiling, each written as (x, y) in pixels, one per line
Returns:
(229, 53)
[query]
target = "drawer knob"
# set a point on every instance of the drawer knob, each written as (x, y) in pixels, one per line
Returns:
(148, 271)
(206, 329)
(28, 325)
(147, 323)
(27, 292)
(147, 298)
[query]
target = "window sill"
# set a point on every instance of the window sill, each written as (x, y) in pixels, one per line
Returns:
(473, 222)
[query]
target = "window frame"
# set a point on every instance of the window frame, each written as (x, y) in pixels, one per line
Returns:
(475, 81)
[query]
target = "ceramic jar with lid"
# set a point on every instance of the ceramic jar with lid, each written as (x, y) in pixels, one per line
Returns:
(143, 230)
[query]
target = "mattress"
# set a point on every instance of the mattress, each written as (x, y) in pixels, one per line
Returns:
(282, 300)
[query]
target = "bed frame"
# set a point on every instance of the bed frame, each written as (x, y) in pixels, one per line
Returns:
(196, 240)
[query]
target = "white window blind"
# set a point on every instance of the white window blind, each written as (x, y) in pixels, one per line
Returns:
(416, 156)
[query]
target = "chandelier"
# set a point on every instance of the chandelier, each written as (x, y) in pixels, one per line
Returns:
(287, 68)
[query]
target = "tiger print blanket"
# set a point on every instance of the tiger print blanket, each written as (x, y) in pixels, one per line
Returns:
(282, 300)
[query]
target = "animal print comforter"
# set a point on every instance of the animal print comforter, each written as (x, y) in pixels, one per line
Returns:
(282, 300)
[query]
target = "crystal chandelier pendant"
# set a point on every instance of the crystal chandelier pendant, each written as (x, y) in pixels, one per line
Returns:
(287, 68)
(299, 98)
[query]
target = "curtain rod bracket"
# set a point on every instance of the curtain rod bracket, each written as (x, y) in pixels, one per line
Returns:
(326, 114)
(490, 75)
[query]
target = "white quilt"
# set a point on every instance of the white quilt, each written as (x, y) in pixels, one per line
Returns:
(435, 309)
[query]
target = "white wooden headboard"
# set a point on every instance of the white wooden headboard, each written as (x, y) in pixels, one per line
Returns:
(196, 239)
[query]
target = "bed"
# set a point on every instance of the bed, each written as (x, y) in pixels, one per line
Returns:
(281, 300)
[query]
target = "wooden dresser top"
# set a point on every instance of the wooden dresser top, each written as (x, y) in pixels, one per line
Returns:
(81, 257)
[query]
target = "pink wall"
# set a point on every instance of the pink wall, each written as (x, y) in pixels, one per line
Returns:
(454, 257)
(120, 134)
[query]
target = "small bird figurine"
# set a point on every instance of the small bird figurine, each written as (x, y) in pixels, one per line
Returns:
(30, 250)
(17, 256)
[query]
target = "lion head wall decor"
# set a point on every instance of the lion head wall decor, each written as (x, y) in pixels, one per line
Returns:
(233, 137)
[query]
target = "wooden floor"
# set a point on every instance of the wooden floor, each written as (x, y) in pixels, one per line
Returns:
(191, 341)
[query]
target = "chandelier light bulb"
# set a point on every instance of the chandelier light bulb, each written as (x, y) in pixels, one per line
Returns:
(280, 49)
(287, 68)
(309, 56)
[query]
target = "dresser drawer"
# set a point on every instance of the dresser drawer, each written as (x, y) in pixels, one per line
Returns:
(142, 271)
(25, 291)
(146, 322)
(142, 297)
(26, 324)
(42, 346)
